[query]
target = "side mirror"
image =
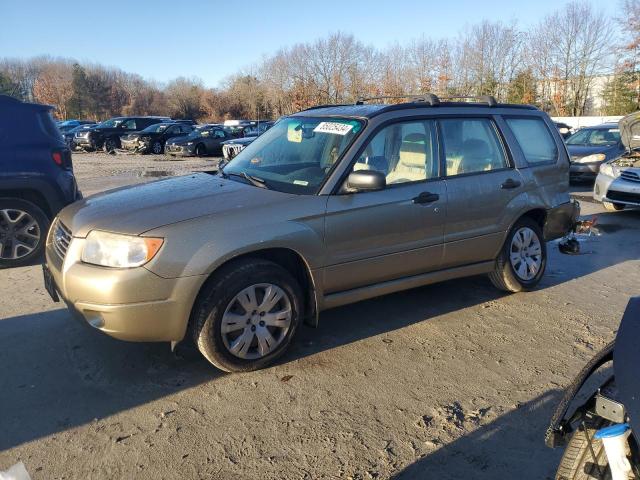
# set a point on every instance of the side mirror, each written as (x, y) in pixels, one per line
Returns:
(366, 181)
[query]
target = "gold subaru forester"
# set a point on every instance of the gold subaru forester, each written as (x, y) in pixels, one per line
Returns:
(331, 206)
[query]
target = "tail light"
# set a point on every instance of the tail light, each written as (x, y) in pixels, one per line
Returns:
(62, 158)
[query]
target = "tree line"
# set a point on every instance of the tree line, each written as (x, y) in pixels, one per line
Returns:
(559, 64)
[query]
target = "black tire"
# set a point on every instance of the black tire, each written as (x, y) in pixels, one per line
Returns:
(613, 206)
(157, 148)
(42, 224)
(201, 150)
(577, 461)
(504, 276)
(110, 144)
(219, 292)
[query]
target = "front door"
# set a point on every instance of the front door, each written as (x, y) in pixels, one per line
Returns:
(377, 236)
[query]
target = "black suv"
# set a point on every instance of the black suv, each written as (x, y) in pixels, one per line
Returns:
(106, 135)
(152, 139)
(36, 179)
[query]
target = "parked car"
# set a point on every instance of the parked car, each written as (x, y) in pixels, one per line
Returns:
(564, 129)
(590, 147)
(36, 179)
(186, 121)
(68, 125)
(69, 135)
(330, 206)
(230, 148)
(153, 138)
(618, 182)
(201, 142)
(106, 135)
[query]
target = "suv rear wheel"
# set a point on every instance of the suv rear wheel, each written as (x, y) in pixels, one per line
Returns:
(523, 258)
(247, 316)
(23, 229)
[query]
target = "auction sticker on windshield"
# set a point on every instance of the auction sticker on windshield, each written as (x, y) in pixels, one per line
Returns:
(333, 127)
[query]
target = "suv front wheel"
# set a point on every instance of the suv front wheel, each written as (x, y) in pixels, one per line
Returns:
(523, 258)
(23, 229)
(247, 316)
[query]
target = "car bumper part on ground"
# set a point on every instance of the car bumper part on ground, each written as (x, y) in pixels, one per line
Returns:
(584, 170)
(129, 304)
(561, 219)
(181, 150)
(616, 190)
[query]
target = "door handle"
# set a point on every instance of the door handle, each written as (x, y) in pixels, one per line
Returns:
(510, 183)
(426, 197)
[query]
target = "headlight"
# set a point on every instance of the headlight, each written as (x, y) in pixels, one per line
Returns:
(596, 157)
(189, 143)
(119, 251)
(608, 170)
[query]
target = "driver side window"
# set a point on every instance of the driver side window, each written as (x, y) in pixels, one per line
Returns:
(404, 152)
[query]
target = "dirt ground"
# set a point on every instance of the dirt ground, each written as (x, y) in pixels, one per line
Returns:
(450, 381)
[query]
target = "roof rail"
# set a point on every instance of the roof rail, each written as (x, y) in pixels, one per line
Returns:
(429, 98)
(488, 99)
(326, 105)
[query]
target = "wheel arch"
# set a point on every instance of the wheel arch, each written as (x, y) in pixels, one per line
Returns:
(290, 260)
(29, 195)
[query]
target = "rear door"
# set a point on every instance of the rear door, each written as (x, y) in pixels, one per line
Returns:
(481, 186)
(373, 237)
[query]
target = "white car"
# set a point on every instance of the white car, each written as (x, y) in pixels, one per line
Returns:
(618, 182)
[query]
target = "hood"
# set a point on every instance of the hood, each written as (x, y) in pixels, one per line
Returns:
(239, 141)
(630, 130)
(129, 136)
(137, 209)
(584, 150)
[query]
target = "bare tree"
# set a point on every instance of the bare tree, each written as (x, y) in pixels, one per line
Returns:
(53, 86)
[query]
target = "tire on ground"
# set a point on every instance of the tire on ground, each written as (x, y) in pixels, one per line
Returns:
(220, 290)
(43, 225)
(504, 276)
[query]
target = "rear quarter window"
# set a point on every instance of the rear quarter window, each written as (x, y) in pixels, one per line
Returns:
(535, 140)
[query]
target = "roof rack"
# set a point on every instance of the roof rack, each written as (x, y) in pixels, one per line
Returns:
(429, 98)
(488, 99)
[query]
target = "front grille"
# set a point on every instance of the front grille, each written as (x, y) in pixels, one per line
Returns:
(631, 176)
(623, 196)
(60, 238)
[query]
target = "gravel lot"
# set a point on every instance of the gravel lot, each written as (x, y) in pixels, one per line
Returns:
(449, 381)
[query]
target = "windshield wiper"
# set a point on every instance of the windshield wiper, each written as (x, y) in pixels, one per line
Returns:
(255, 181)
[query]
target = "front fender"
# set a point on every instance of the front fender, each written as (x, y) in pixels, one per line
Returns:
(560, 421)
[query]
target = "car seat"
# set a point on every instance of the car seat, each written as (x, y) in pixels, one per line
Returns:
(411, 166)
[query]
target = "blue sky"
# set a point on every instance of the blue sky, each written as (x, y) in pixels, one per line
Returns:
(214, 39)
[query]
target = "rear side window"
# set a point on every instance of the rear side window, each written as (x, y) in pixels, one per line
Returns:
(471, 146)
(535, 140)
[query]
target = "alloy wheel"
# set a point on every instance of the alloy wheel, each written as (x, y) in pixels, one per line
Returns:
(256, 321)
(525, 253)
(157, 148)
(19, 234)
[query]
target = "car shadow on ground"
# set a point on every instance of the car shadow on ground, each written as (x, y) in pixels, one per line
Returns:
(60, 374)
(514, 442)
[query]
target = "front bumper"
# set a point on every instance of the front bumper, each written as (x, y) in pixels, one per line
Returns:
(584, 170)
(180, 150)
(616, 190)
(129, 304)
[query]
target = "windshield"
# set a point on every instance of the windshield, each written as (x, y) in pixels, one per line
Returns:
(296, 154)
(113, 123)
(157, 128)
(595, 137)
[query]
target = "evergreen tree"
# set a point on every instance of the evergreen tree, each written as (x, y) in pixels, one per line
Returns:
(79, 102)
(620, 96)
(522, 89)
